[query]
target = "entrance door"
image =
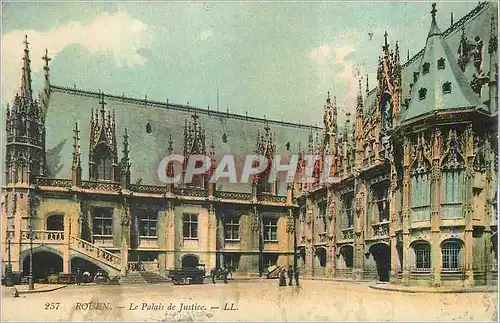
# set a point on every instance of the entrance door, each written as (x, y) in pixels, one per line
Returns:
(189, 261)
(55, 222)
(382, 255)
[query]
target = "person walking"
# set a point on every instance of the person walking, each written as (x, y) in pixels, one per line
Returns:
(296, 274)
(78, 276)
(213, 274)
(225, 272)
(290, 275)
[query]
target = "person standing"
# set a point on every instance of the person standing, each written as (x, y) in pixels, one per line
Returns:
(213, 274)
(225, 272)
(282, 280)
(78, 276)
(296, 274)
(290, 275)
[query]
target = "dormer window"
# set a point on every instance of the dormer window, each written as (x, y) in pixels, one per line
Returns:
(440, 64)
(148, 128)
(415, 77)
(447, 87)
(425, 68)
(422, 93)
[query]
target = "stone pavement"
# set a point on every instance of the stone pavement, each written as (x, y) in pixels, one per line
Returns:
(24, 289)
(430, 289)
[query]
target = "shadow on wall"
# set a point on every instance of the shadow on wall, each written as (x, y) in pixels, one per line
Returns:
(54, 164)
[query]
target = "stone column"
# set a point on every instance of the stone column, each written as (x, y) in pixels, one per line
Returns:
(406, 211)
(393, 224)
(125, 236)
(469, 177)
(170, 232)
(359, 225)
(436, 175)
(220, 239)
(212, 237)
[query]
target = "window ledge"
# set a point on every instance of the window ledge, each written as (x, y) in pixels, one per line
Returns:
(148, 237)
(232, 240)
(186, 238)
(102, 236)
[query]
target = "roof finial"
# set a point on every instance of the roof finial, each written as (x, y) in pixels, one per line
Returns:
(367, 86)
(433, 11)
(328, 96)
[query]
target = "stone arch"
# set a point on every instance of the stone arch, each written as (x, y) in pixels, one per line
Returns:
(84, 263)
(420, 255)
(190, 260)
(46, 261)
(346, 256)
(452, 250)
(381, 253)
(320, 253)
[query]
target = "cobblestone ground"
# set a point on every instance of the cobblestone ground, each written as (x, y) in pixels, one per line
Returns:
(253, 300)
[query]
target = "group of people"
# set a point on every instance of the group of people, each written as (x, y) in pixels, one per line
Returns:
(82, 277)
(291, 273)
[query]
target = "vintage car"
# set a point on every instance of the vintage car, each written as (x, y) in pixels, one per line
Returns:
(188, 275)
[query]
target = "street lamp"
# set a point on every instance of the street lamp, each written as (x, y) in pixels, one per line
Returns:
(9, 279)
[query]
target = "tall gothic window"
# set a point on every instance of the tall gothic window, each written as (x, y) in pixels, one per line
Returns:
(322, 214)
(190, 226)
(270, 229)
(148, 223)
(451, 193)
(420, 196)
(347, 211)
(103, 221)
(103, 161)
(380, 202)
(232, 229)
(450, 255)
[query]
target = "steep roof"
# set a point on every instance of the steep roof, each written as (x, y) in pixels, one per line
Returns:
(441, 85)
(149, 146)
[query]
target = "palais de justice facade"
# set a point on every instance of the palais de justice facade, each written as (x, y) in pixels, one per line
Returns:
(416, 200)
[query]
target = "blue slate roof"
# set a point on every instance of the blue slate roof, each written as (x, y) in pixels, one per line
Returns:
(68, 106)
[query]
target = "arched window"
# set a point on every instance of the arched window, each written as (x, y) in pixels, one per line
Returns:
(103, 160)
(450, 252)
(422, 256)
(440, 63)
(321, 254)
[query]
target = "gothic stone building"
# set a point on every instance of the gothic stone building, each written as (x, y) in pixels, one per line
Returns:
(81, 173)
(417, 196)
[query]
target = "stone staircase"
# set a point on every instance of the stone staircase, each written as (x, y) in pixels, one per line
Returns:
(109, 260)
(142, 277)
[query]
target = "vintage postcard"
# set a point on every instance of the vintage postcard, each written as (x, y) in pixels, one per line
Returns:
(249, 161)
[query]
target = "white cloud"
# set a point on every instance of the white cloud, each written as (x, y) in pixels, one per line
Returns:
(117, 35)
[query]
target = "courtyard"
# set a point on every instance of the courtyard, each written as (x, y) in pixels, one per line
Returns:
(247, 300)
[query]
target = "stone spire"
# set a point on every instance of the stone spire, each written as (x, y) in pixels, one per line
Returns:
(26, 91)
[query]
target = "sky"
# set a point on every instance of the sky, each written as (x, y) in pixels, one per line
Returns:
(272, 59)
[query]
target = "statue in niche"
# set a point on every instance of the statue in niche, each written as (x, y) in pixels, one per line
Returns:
(386, 113)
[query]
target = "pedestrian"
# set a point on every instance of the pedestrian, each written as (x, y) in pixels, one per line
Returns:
(290, 275)
(213, 274)
(282, 280)
(225, 272)
(78, 276)
(296, 274)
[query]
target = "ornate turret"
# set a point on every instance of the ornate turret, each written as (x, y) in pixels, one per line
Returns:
(25, 130)
(358, 129)
(194, 144)
(76, 168)
(266, 147)
(125, 162)
(441, 85)
(103, 155)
